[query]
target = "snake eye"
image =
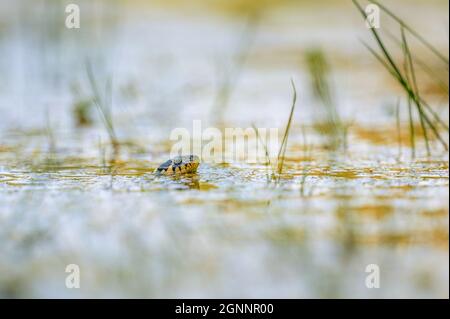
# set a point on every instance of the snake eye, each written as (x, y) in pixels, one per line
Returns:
(177, 160)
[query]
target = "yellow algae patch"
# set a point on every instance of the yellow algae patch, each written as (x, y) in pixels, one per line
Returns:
(203, 186)
(436, 237)
(366, 211)
(438, 213)
(4, 149)
(376, 136)
(374, 211)
(345, 173)
(389, 135)
(287, 234)
(402, 239)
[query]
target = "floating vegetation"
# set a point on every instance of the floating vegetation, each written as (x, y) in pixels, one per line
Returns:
(282, 151)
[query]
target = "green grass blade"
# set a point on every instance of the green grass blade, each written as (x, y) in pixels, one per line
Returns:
(412, 31)
(282, 150)
(410, 67)
(399, 133)
(411, 129)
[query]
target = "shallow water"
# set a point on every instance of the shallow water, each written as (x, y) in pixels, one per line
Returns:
(229, 230)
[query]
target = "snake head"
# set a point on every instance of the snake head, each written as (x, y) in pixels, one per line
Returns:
(179, 165)
(193, 160)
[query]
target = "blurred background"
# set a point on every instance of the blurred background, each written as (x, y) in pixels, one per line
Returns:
(360, 185)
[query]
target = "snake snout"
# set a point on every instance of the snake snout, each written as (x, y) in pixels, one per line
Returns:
(194, 159)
